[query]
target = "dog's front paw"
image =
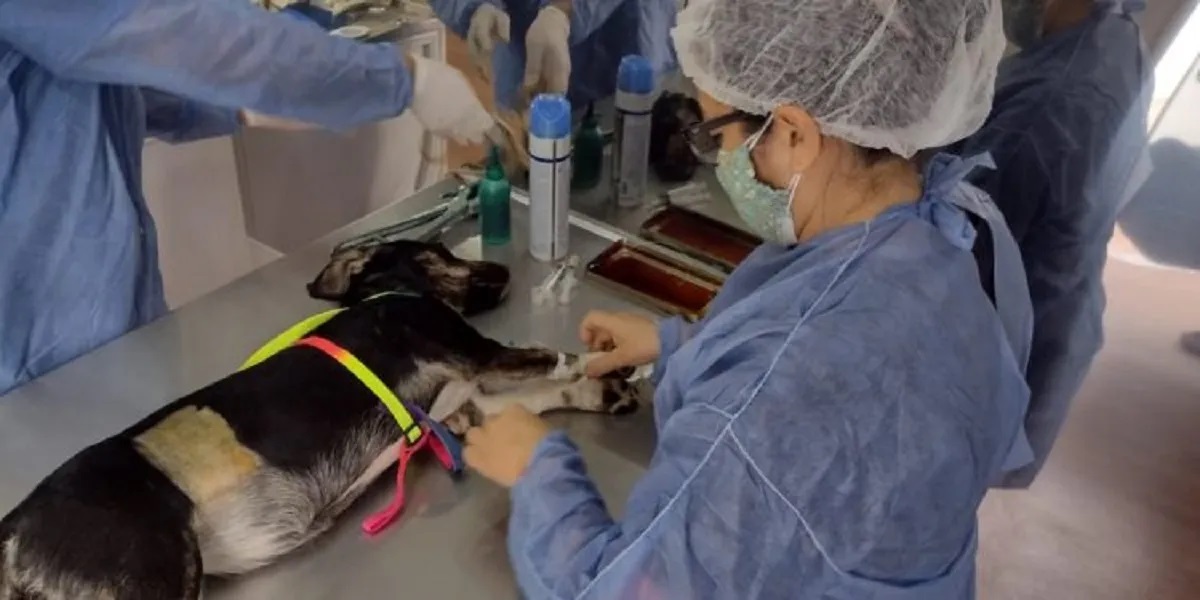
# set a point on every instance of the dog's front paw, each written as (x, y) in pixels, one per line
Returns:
(465, 417)
(620, 397)
(571, 367)
(624, 373)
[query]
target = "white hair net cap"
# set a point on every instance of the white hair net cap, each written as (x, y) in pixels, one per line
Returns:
(898, 74)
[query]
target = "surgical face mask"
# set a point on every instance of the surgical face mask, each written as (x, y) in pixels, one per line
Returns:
(768, 211)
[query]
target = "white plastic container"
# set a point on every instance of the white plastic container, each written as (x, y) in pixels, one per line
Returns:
(549, 177)
(636, 93)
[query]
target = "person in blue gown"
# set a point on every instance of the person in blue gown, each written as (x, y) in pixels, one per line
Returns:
(571, 47)
(829, 428)
(83, 83)
(1067, 130)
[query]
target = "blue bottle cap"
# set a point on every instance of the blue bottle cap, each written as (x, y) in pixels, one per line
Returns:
(636, 75)
(550, 117)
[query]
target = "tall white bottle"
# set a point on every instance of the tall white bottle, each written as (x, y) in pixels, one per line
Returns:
(549, 177)
(631, 151)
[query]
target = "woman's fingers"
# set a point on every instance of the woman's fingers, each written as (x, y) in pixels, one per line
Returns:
(605, 363)
(601, 342)
(591, 326)
(626, 340)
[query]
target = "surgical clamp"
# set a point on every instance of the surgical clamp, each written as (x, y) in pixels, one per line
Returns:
(459, 205)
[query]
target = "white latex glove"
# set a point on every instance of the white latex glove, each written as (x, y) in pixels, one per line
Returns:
(445, 104)
(548, 53)
(256, 120)
(488, 26)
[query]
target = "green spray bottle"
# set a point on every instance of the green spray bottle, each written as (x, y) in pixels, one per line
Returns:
(495, 199)
(588, 160)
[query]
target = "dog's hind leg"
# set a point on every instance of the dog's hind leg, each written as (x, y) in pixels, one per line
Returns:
(194, 578)
(46, 569)
(466, 405)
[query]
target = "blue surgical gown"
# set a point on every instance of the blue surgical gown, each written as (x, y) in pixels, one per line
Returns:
(827, 431)
(602, 32)
(81, 84)
(1067, 129)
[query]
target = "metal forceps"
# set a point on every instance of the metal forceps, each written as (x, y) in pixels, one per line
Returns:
(460, 204)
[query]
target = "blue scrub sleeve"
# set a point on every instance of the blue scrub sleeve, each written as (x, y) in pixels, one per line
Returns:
(672, 333)
(563, 542)
(175, 120)
(220, 52)
(701, 519)
(456, 14)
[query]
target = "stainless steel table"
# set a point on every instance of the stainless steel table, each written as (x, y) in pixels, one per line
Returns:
(450, 542)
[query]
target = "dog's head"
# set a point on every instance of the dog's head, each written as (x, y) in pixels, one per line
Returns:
(355, 274)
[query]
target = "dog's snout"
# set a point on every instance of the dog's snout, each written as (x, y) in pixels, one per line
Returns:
(493, 275)
(488, 287)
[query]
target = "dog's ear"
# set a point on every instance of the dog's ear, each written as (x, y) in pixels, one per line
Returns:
(334, 280)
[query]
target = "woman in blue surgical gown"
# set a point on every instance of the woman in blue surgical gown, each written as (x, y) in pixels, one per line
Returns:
(81, 85)
(830, 427)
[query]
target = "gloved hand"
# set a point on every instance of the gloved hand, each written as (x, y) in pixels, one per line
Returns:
(256, 120)
(548, 53)
(445, 104)
(488, 26)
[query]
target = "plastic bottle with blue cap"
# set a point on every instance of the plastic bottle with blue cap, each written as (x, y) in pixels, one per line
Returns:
(549, 176)
(636, 89)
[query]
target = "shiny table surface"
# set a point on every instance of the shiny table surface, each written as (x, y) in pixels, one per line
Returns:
(449, 543)
(598, 203)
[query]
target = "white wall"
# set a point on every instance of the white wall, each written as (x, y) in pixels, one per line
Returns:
(298, 186)
(192, 191)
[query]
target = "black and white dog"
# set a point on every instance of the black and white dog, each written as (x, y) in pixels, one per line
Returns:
(231, 477)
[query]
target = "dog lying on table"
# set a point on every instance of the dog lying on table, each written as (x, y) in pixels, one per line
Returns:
(230, 477)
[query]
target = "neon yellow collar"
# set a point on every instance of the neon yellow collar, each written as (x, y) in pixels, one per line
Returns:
(408, 426)
(298, 335)
(289, 337)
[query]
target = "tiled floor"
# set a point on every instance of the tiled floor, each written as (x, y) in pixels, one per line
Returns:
(1116, 513)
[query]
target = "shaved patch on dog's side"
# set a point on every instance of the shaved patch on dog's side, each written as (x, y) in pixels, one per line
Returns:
(198, 450)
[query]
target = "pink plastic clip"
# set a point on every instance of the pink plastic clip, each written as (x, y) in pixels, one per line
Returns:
(382, 519)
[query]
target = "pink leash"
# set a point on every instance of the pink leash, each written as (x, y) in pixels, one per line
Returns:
(379, 521)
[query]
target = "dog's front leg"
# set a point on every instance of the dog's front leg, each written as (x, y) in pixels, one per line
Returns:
(468, 405)
(518, 368)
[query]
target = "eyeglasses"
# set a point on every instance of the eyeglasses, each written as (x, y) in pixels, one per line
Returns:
(705, 138)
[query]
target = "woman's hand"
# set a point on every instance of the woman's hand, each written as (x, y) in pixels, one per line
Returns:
(624, 339)
(502, 447)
